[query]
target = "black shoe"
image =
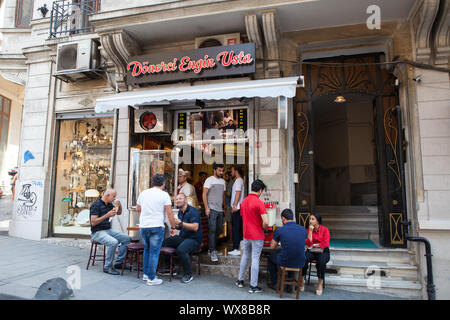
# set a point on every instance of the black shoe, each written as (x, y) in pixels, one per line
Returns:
(166, 272)
(272, 286)
(255, 289)
(118, 266)
(186, 279)
(111, 271)
(240, 283)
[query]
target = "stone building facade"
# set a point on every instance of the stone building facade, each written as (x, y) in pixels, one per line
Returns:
(412, 43)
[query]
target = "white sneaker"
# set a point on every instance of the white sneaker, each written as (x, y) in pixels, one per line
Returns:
(214, 256)
(145, 278)
(234, 253)
(154, 282)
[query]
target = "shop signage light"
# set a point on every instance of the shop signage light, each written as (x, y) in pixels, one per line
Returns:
(192, 64)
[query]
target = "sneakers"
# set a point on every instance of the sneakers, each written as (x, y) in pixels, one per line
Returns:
(111, 271)
(214, 256)
(235, 252)
(145, 278)
(255, 289)
(240, 283)
(154, 282)
(187, 278)
(166, 272)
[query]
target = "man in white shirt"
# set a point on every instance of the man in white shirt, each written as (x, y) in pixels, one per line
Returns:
(153, 204)
(186, 188)
(214, 193)
(237, 195)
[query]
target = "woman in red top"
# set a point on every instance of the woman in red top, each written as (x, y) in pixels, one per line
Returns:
(318, 237)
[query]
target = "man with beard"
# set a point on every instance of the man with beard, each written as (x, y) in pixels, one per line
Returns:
(214, 193)
(190, 237)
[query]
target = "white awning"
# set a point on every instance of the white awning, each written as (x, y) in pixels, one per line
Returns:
(256, 88)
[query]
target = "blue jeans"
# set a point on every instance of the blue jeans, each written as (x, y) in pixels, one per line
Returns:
(111, 240)
(215, 225)
(184, 248)
(153, 238)
(252, 250)
(237, 229)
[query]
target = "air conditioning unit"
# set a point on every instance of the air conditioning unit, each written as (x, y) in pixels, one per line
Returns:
(220, 40)
(77, 60)
(152, 120)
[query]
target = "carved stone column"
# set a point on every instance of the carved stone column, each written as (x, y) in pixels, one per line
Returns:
(442, 35)
(422, 20)
(117, 47)
(254, 35)
(272, 37)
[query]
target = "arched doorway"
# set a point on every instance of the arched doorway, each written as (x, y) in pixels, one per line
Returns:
(348, 141)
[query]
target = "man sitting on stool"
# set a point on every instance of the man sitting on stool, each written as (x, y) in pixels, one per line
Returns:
(100, 212)
(292, 254)
(190, 237)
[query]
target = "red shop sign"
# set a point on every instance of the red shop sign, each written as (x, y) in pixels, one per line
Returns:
(192, 64)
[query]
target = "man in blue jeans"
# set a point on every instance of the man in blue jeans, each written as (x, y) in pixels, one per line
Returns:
(190, 237)
(101, 212)
(153, 204)
(214, 199)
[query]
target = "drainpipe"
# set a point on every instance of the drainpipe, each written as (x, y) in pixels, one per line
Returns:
(431, 291)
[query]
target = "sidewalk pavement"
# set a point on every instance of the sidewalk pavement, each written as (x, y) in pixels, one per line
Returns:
(26, 264)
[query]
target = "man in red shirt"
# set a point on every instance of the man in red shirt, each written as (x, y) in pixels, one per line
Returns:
(254, 219)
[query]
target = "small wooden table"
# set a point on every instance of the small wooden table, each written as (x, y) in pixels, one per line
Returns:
(133, 228)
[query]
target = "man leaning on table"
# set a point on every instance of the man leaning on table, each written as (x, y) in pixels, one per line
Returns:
(153, 205)
(100, 213)
(292, 237)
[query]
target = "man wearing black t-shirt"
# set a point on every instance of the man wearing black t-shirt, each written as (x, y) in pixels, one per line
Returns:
(101, 213)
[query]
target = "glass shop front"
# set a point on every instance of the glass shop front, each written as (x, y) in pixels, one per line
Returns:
(83, 164)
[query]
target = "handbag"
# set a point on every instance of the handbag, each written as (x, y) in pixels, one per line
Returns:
(317, 249)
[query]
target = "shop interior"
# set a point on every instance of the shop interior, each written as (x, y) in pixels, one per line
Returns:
(148, 147)
(82, 172)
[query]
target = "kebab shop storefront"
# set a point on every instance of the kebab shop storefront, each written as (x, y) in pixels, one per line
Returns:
(192, 108)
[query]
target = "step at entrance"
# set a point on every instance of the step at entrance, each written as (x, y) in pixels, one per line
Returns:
(351, 221)
(375, 270)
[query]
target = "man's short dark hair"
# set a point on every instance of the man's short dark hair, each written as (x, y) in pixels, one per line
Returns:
(240, 170)
(287, 214)
(202, 173)
(217, 165)
(158, 180)
(258, 185)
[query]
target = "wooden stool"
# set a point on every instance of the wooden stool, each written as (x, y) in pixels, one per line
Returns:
(170, 252)
(283, 280)
(95, 255)
(309, 273)
(135, 250)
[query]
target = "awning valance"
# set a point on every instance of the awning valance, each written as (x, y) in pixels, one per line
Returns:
(255, 88)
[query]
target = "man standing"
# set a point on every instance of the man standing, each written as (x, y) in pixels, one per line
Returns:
(152, 204)
(237, 196)
(254, 218)
(214, 192)
(292, 255)
(190, 237)
(185, 187)
(100, 213)
(229, 181)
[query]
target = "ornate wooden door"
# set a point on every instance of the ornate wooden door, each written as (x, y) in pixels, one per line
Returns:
(354, 74)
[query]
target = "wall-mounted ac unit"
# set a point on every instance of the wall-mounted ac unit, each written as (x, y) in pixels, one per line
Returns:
(152, 120)
(219, 40)
(77, 60)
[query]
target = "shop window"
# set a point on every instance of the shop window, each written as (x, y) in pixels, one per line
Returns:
(5, 108)
(82, 172)
(24, 13)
